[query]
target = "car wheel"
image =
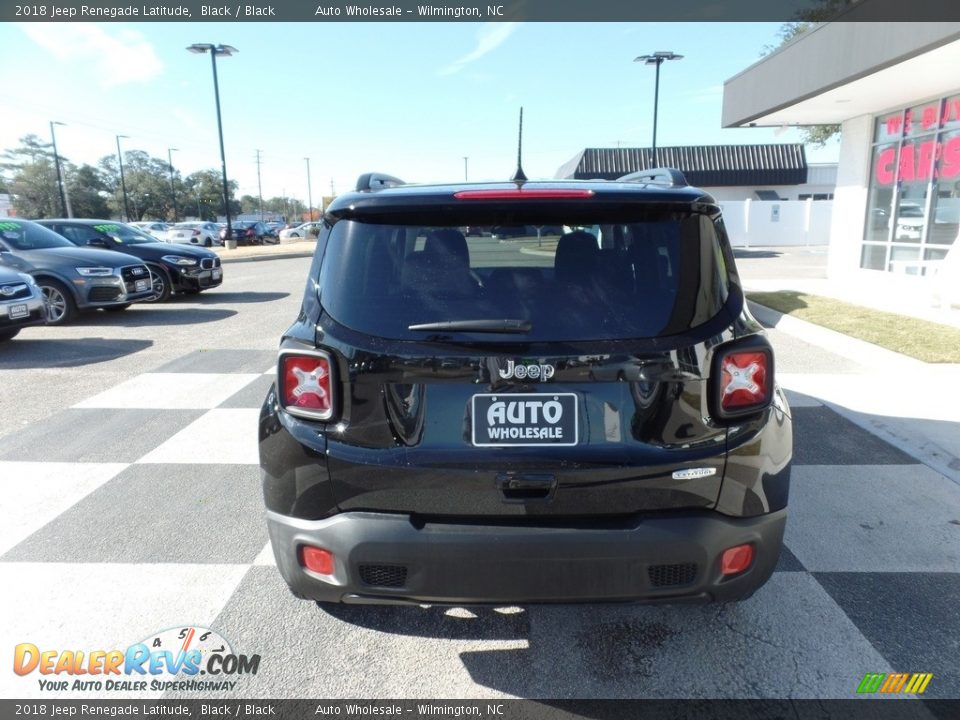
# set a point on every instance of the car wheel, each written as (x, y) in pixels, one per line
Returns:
(161, 285)
(208, 242)
(60, 305)
(8, 334)
(118, 308)
(296, 235)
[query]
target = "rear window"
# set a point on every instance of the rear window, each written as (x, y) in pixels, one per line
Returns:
(658, 276)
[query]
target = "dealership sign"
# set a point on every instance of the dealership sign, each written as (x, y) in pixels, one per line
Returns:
(917, 161)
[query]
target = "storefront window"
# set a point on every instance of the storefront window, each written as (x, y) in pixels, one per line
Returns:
(913, 208)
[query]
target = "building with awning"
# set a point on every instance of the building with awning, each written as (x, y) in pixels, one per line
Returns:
(728, 172)
(894, 89)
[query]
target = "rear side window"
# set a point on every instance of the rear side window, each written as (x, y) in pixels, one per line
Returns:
(655, 277)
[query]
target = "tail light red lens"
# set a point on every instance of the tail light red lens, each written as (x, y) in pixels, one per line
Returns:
(249, 232)
(524, 194)
(316, 559)
(736, 559)
(744, 380)
(306, 384)
(196, 232)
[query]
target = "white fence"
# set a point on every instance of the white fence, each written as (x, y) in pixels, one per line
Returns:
(777, 222)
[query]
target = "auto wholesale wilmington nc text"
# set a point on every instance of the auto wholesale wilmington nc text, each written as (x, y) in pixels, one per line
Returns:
(442, 11)
(422, 709)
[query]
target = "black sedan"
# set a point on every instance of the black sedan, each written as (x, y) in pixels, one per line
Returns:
(174, 268)
(249, 233)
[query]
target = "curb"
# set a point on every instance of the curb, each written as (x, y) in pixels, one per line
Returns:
(916, 445)
(259, 258)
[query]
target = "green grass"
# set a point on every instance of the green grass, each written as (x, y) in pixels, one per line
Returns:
(924, 340)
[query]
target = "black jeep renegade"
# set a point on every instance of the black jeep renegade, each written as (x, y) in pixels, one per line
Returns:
(578, 418)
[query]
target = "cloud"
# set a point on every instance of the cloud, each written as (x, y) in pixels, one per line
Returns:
(118, 58)
(489, 38)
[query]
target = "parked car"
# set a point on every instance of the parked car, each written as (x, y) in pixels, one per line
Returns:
(459, 422)
(72, 278)
(156, 229)
(247, 233)
(507, 232)
(307, 229)
(194, 233)
(21, 302)
(172, 269)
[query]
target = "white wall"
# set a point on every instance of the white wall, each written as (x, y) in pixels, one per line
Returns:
(769, 222)
(850, 198)
(790, 192)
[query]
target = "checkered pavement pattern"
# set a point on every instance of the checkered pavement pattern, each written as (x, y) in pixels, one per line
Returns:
(139, 509)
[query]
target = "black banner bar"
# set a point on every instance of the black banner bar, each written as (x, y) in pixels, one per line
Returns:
(494, 709)
(321, 11)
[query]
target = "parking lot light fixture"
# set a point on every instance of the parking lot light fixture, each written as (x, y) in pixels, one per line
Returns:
(309, 191)
(64, 200)
(657, 58)
(223, 51)
(173, 189)
(123, 182)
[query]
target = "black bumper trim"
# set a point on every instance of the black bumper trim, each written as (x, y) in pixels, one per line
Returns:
(488, 564)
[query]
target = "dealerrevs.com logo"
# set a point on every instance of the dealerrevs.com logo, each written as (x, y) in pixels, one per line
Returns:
(178, 659)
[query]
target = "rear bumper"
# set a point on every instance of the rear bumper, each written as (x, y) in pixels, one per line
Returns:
(385, 558)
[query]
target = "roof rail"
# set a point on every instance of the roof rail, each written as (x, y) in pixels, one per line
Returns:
(657, 176)
(371, 182)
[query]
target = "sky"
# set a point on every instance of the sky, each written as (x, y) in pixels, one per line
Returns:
(407, 99)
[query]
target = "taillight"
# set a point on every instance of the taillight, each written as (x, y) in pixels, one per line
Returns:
(196, 232)
(249, 232)
(524, 194)
(743, 378)
(736, 559)
(305, 384)
(316, 559)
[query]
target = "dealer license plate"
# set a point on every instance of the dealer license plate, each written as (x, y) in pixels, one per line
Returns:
(18, 311)
(142, 285)
(537, 419)
(216, 273)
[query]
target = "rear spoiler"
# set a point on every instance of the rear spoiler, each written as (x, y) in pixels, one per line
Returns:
(657, 176)
(371, 182)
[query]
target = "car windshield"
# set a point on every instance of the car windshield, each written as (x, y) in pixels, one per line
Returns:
(22, 235)
(124, 234)
(601, 280)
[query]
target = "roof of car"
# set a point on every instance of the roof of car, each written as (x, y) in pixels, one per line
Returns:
(601, 190)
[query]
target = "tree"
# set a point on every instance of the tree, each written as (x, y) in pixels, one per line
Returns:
(88, 192)
(33, 178)
(203, 190)
(818, 135)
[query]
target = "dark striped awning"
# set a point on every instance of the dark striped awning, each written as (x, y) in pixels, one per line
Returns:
(703, 165)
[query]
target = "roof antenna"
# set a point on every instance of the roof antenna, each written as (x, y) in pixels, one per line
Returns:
(519, 177)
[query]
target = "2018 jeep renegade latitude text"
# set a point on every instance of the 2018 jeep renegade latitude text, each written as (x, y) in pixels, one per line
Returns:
(481, 419)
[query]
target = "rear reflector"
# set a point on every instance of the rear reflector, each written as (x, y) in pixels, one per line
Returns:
(305, 384)
(521, 194)
(745, 380)
(316, 559)
(736, 559)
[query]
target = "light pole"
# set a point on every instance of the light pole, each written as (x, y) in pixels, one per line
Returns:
(657, 59)
(309, 190)
(123, 183)
(465, 160)
(226, 51)
(64, 202)
(173, 189)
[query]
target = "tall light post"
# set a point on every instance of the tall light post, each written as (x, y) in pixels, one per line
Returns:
(123, 182)
(64, 202)
(173, 189)
(225, 51)
(309, 191)
(465, 161)
(657, 58)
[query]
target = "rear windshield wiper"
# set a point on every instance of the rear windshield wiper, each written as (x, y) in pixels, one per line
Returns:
(480, 326)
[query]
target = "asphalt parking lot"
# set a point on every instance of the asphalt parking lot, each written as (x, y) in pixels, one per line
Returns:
(131, 504)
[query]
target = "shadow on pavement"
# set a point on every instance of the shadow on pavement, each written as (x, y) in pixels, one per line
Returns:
(73, 352)
(746, 253)
(214, 297)
(475, 623)
(145, 315)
